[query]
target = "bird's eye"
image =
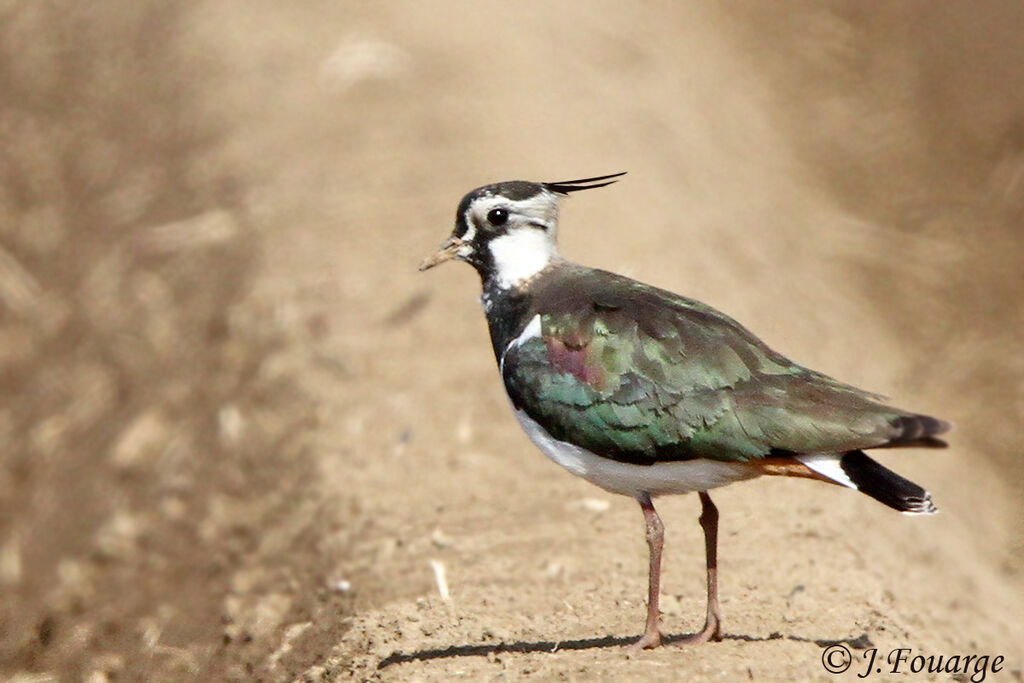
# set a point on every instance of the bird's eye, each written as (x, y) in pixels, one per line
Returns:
(497, 217)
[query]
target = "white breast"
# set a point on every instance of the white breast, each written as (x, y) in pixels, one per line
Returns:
(632, 480)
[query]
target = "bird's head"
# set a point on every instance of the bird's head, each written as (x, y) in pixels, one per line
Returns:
(507, 231)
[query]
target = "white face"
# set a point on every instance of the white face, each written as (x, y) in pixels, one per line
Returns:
(520, 255)
(520, 235)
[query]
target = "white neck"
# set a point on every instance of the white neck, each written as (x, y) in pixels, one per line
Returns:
(520, 255)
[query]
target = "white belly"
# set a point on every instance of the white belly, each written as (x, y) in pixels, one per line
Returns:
(631, 480)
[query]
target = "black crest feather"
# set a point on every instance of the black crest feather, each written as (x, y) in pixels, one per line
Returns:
(567, 186)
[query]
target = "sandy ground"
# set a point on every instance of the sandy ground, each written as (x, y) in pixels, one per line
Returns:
(242, 433)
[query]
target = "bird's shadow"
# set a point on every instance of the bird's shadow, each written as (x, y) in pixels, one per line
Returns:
(484, 649)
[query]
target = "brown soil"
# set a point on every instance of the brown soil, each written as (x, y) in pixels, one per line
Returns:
(242, 434)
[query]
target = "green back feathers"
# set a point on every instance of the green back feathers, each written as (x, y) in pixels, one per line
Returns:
(642, 375)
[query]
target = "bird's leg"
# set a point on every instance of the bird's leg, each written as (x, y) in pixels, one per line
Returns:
(713, 622)
(655, 540)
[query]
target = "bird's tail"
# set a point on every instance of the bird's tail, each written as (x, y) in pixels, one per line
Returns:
(857, 471)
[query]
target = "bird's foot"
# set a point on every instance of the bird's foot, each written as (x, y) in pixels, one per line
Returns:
(712, 631)
(649, 640)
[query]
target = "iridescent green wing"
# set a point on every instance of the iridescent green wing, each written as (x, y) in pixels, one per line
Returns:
(646, 376)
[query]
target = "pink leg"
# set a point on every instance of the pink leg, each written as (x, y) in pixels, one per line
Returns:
(655, 541)
(713, 622)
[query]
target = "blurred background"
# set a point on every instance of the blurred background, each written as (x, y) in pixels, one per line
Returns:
(221, 379)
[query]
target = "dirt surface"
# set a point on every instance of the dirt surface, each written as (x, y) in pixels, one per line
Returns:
(244, 438)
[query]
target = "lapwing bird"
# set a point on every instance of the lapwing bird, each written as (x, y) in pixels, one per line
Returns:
(645, 393)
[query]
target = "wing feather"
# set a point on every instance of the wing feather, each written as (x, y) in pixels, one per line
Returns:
(643, 375)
